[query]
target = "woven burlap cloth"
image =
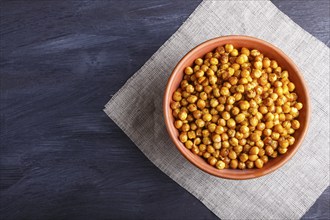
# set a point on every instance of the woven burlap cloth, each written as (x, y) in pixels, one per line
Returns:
(286, 193)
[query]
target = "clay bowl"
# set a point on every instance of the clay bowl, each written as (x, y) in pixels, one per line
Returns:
(268, 50)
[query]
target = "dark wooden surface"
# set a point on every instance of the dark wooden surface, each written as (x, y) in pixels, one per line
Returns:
(61, 156)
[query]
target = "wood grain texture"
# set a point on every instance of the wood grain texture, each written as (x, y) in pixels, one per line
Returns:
(61, 156)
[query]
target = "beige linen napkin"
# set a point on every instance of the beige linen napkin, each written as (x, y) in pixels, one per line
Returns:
(284, 194)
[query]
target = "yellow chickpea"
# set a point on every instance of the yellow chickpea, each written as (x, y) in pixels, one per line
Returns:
(254, 151)
(253, 121)
(220, 165)
(253, 157)
(188, 70)
(241, 59)
(295, 124)
(259, 163)
(244, 105)
(255, 137)
(244, 129)
(231, 123)
(240, 118)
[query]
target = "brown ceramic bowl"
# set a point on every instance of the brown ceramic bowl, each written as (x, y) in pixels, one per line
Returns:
(268, 50)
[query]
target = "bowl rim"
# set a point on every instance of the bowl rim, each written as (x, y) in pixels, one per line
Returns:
(169, 123)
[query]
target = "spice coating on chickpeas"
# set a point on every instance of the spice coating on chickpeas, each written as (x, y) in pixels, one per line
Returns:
(236, 108)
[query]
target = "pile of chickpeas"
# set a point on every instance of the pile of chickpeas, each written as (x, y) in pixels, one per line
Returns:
(236, 108)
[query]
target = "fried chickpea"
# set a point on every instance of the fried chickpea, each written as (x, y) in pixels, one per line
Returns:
(192, 107)
(240, 88)
(259, 163)
(185, 127)
(241, 165)
(192, 135)
(261, 152)
(225, 115)
(206, 141)
(178, 124)
(216, 138)
(207, 117)
(260, 144)
(254, 53)
(188, 70)
(233, 141)
(244, 129)
(257, 65)
(229, 48)
(197, 114)
(298, 106)
(231, 123)
(253, 121)
(220, 165)
(211, 127)
(175, 105)
(210, 149)
(217, 145)
(234, 53)
(212, 160)
(235, 111)
(253, 157)
(241, 59)
(199, 61)
(183, 137)
(202, 147)
(233, 164)
(261, 126)
(244, 105)
(192, 99)
(195, 150)
(206, 155)
(284, 143)
(177, 96)
(238, 149)
(189, 144)
(190, 88)
(199, 74)
(243, 157)
(201, 104)
(254, 137)
(219, 130)
(231, 132)
(249, 164)
(224, 91)
(200, 123)
(240, 118)
(273, 64)
(254, 151)
(263, 109)
(269, 150)
(203, 96)
(295, 124)
(266, 63)
(232, 155)
(282, 150)
(214, 61)
(205, 133)
(182, 115)
(264, 158)
(245, 51)
(291, 140)
(269, 124)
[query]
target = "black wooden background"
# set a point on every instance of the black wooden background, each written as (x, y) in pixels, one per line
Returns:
(61, 156)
